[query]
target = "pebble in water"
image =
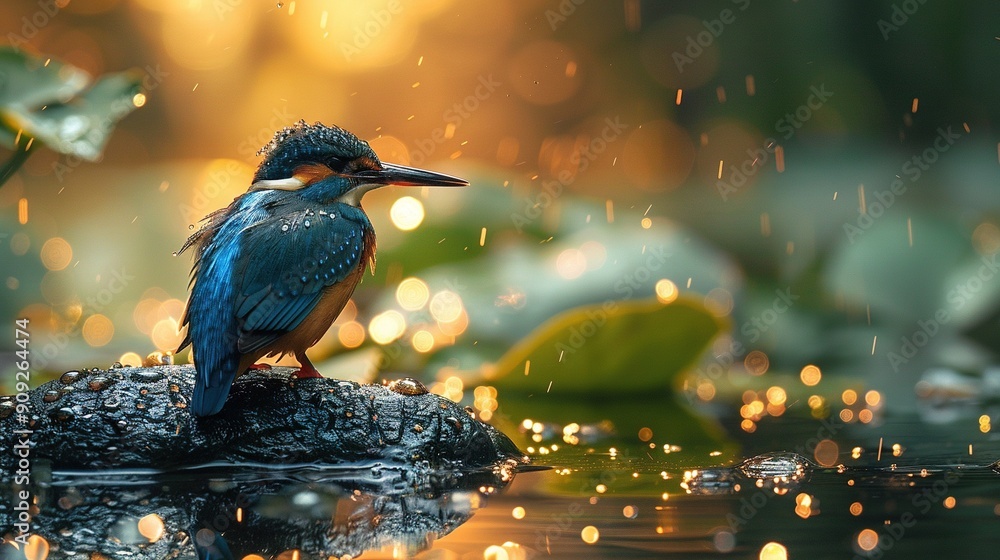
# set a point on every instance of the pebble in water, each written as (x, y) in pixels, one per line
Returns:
(779, 471)
(776, 465)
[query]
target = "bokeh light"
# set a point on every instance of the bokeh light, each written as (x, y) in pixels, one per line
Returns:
(387, 327)
(407, 213)
(98, 330)
(412, 294)
(56, 254)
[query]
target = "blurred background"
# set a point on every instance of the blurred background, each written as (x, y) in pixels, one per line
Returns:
(695, 232)
(813, 188)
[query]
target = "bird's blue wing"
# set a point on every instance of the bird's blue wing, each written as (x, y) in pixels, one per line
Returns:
(289, 259)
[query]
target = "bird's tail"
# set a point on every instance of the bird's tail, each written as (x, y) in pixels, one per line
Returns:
(217, 367)
(207, 401)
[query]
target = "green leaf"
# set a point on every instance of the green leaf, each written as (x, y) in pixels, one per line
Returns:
(83, 125)
(44, 99)
(29, 82)
(619, 347)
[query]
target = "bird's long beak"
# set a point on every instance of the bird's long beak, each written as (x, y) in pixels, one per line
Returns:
(392, 174)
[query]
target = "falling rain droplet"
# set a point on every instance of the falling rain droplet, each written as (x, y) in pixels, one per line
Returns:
(408, 386)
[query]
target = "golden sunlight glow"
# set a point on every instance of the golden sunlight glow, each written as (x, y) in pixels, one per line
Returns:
(351, 334)
(849, 397)
(756, 363)
(412, 294)
(827, 453)
(810, 375)
(571, 264)
(387, 327)
(406, 213)
(666, 291)
(590, 534)
(867, 540)
(165, 335)
(446, 306)
(37, 548)
(151, 527)
(773, 551)
(130, 359)
(423, 341)
(803, 505)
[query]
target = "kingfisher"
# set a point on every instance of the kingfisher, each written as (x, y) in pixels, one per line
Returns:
(275, 268)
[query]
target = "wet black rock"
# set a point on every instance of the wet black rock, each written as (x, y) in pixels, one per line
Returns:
(138, 417)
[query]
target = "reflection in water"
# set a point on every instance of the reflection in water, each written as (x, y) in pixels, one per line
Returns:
(214, 513)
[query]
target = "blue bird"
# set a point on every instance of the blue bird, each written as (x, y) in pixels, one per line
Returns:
(275, 268)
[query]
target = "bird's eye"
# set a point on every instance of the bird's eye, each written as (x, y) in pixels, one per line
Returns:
(361, 164)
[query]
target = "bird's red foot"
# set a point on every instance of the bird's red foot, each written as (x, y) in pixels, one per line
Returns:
(307, 372)
(260, 367)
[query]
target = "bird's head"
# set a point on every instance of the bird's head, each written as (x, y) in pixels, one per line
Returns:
(328, 163)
